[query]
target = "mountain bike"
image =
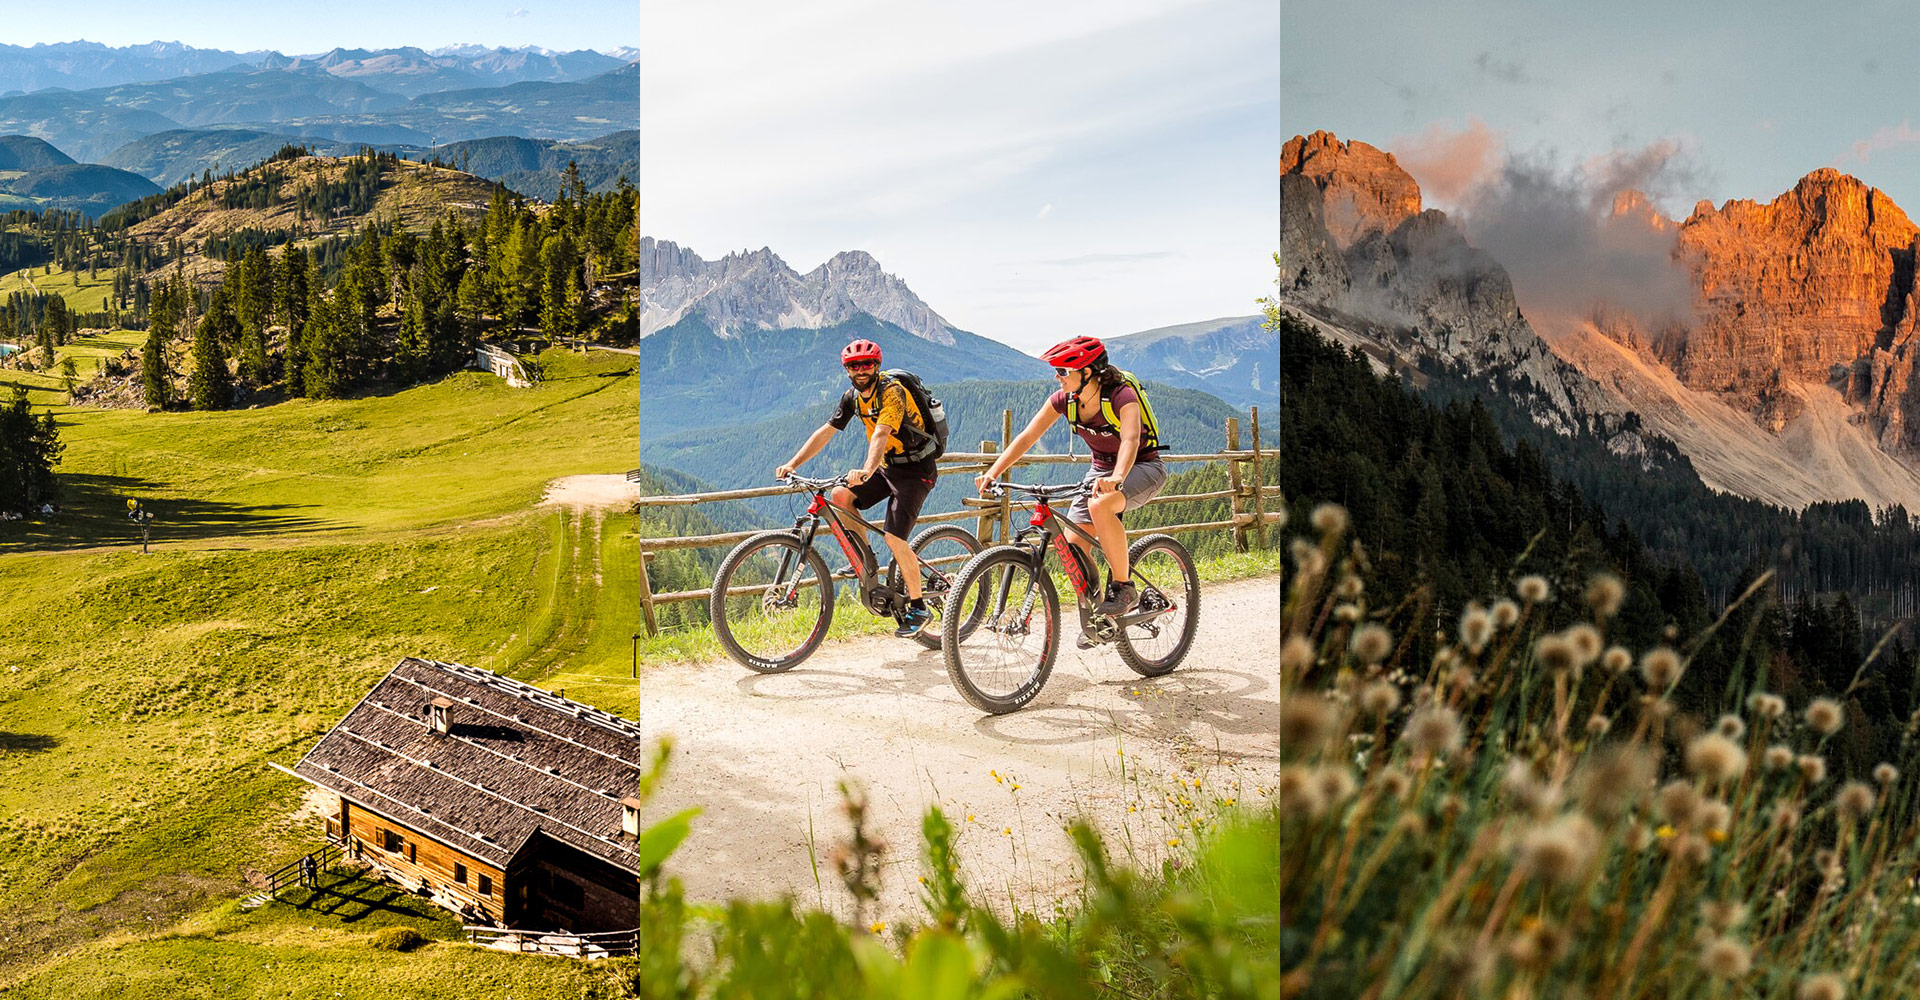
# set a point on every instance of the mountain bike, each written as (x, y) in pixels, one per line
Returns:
(773, 597)
(1001, 659)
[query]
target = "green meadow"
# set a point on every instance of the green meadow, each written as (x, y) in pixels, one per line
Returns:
(298, 551)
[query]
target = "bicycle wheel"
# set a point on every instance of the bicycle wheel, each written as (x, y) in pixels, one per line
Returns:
(1002, 659)
(772, 602)
(943, 552)
(1163, 570)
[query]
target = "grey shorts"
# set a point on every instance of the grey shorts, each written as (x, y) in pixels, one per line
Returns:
(1144, 482)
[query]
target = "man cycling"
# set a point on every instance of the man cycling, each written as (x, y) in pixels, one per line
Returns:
(1106, 412)
(888, 410)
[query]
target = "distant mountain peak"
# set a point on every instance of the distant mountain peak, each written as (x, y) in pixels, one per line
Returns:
(756, 290)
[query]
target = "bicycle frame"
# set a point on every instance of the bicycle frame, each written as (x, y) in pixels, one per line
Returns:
(860, 558)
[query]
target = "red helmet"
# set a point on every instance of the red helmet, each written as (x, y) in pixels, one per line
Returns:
(1079, 352)
(860, 350)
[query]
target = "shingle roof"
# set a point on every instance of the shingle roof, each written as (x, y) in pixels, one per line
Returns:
(517, 761)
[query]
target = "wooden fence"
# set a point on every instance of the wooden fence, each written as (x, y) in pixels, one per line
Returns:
(607, 944)
(1247, 499)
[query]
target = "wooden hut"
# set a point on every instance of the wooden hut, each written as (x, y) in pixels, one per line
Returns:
(503, 802)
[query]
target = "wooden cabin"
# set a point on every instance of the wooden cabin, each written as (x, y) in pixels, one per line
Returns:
(503, 802)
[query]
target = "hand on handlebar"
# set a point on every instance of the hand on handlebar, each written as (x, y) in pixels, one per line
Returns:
(984, 484)
(857, 476)
(783, 472)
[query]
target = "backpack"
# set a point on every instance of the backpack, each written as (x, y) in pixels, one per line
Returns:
(1149, 427)
(917, 445)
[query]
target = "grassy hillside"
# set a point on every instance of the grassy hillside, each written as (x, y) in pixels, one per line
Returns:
(299, 551)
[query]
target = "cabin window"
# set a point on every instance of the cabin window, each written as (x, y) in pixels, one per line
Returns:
(391, 842)
(460, 873)
(486, 885)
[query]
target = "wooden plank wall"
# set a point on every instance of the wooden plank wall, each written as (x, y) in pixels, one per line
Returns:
(424, 859)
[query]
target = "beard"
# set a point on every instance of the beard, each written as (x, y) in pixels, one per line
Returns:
(864, 382)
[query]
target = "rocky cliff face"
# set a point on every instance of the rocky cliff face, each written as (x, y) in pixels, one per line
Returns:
(1362, 188)
(758, 291)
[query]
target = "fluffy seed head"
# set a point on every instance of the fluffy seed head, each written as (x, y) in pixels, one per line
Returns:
(1854, 800)
(1778, 757)
(1766, 706)
(1336, 783)
(1813, 768)
(1786, 816)
(1725, 958)
(1329, 519)
(1723, 915)
(1558, 851)
(1306, 721)
(1533, 589)
(1604, 593)
(1350, 587)
(1714, 815)
(1538, 946)
(1300, 794)
(1613, 780)
(1394, 783)
(1597, 725)
(1586, 642)
(1616, 660)
(1661, 667)
(1346, 614)
(1825, 715)
(1679, 802)
(1555, 654)
(1476, 627)
(1296, 654)
(1433, 730)
(1379, 699)
(1825, 986)
(1716, 758)
(1371, 643)
(1505, 613)
(1526, 790)
(1731, 726)
(1886, 774)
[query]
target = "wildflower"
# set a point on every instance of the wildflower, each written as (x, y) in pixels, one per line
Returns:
(1300, 793)
(1346, 614)
(1532, 589)
(1336, 784)
(1638, 837)
(1766, 706)
(1296, 654)
(1661, 667)
(1371, 643)
(1505, 613)
(1585, 640)
(1604, 593)
(970, 817)
(1825, 986)
(1526, 789)
(1597, 725)
(1664, 832)
(1433, 730)
(1813, 768)
(1679, 803)
(1616, 660)
(1558, 851)
(1016, 788)
(1731, 726)
(1611, 782)
(1854, 800)
(1379, 699)
(1716, 758)
(1825, 716)
(1725, 958)
(1714, 817)
(1778, 757)
(1305, 723)
(1556, 653)
(1786, 816)
(1173, 842)
(1350, 587)
(1476, 627)
(1395, 783)
(1006, 832)
(1886, 774)
(1723, 916)
(880, 925)
(1538, 945)
(1330, 519)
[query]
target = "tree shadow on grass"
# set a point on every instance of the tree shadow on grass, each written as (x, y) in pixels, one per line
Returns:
(93, 512)
(350, 898)
(11, 743)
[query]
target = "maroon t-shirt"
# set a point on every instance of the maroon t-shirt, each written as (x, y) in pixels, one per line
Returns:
(1102, 438)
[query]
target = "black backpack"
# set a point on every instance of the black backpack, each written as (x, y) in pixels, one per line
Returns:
(917, 445)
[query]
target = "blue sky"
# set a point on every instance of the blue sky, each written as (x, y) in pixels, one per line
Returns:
(1737, 100)
(1033, 171)
(295, 28)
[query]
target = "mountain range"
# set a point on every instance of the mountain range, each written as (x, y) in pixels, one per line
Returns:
(407, 70)
(36, 176)
(1789, 376)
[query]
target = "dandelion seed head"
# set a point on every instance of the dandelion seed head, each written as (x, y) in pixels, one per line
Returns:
(1612, 780)
(1379, 699)
(1394, 783)
(1714, 816)
(1826, 860)
(1813, 768)
(1778, 757)
(1597, 725)
(1786, 816)
(1296, 654)
(1300, 793)
(1476, 627)
(1346, 614)
(1505, 613)
(1679, 802)
(1371, 643)
(1525, 789)
(1725, 958)
(1558, 851)
(1716, 758)
(1604, 594)
(1586, 643)
(1306, 722)
(1350, 587)
(1329, 519)
(1538, 946)
(1731, 726)
(1336, 783)
(1825, 986)
(1661, 667)
(1616, 660)
(1886, 774)
(1433, 730)
(1723, 915)
(1854, 800)
(1555, 654)
(1533, 589)
(1825, 715)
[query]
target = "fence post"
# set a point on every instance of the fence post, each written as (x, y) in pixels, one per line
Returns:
(1259, 508)
(985, 531)
(1233, 481)
(646, 595)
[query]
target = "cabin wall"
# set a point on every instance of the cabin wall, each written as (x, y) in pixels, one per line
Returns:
(559, 887)
(423, 859)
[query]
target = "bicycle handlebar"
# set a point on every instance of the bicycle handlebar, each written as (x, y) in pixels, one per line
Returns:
(1039, 492)
(814, 484)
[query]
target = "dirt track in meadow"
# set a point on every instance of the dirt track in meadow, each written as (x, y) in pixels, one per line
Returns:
(763, 755)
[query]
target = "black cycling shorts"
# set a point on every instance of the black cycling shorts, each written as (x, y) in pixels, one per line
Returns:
(906, 485)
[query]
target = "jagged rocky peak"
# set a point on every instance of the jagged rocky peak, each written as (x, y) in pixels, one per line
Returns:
(1363, 189)
(1633, 204)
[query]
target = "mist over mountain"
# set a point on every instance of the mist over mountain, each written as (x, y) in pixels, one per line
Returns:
(1236, 358)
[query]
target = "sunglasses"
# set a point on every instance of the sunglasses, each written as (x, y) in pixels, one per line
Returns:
(863, 366)
(1063, 372)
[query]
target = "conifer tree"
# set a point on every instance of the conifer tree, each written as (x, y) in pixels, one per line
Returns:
(210, 386)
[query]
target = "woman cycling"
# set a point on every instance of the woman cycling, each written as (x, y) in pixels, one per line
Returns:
(1106, 411)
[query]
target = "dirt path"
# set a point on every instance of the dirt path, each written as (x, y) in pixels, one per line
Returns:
(763, 755)
(590, 491)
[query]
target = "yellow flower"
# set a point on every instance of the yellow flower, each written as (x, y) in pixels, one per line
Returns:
(1130, 808)
(1008, 831)
(1717, 836)
(877, 926)
(923, 880)
(1226, 802)
(1173, 842)
(1664, 833)
(1122, 753)
(1016, 787)
(969, 817)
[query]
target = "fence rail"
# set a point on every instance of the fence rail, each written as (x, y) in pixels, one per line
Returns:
(1246, 495)
(605, 944)
(291, 873)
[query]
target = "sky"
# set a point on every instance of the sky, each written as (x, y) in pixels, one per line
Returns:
(1031, 171)
(307, 28)
(1718, 100)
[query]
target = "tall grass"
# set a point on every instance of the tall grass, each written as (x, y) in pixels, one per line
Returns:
(1529, 815)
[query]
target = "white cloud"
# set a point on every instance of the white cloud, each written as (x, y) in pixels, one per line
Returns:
(1045, 210)
(1883, 139)
(518, 12)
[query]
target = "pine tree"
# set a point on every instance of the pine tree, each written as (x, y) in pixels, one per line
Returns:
(560, 269)
(155, 379)
(210, 387)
